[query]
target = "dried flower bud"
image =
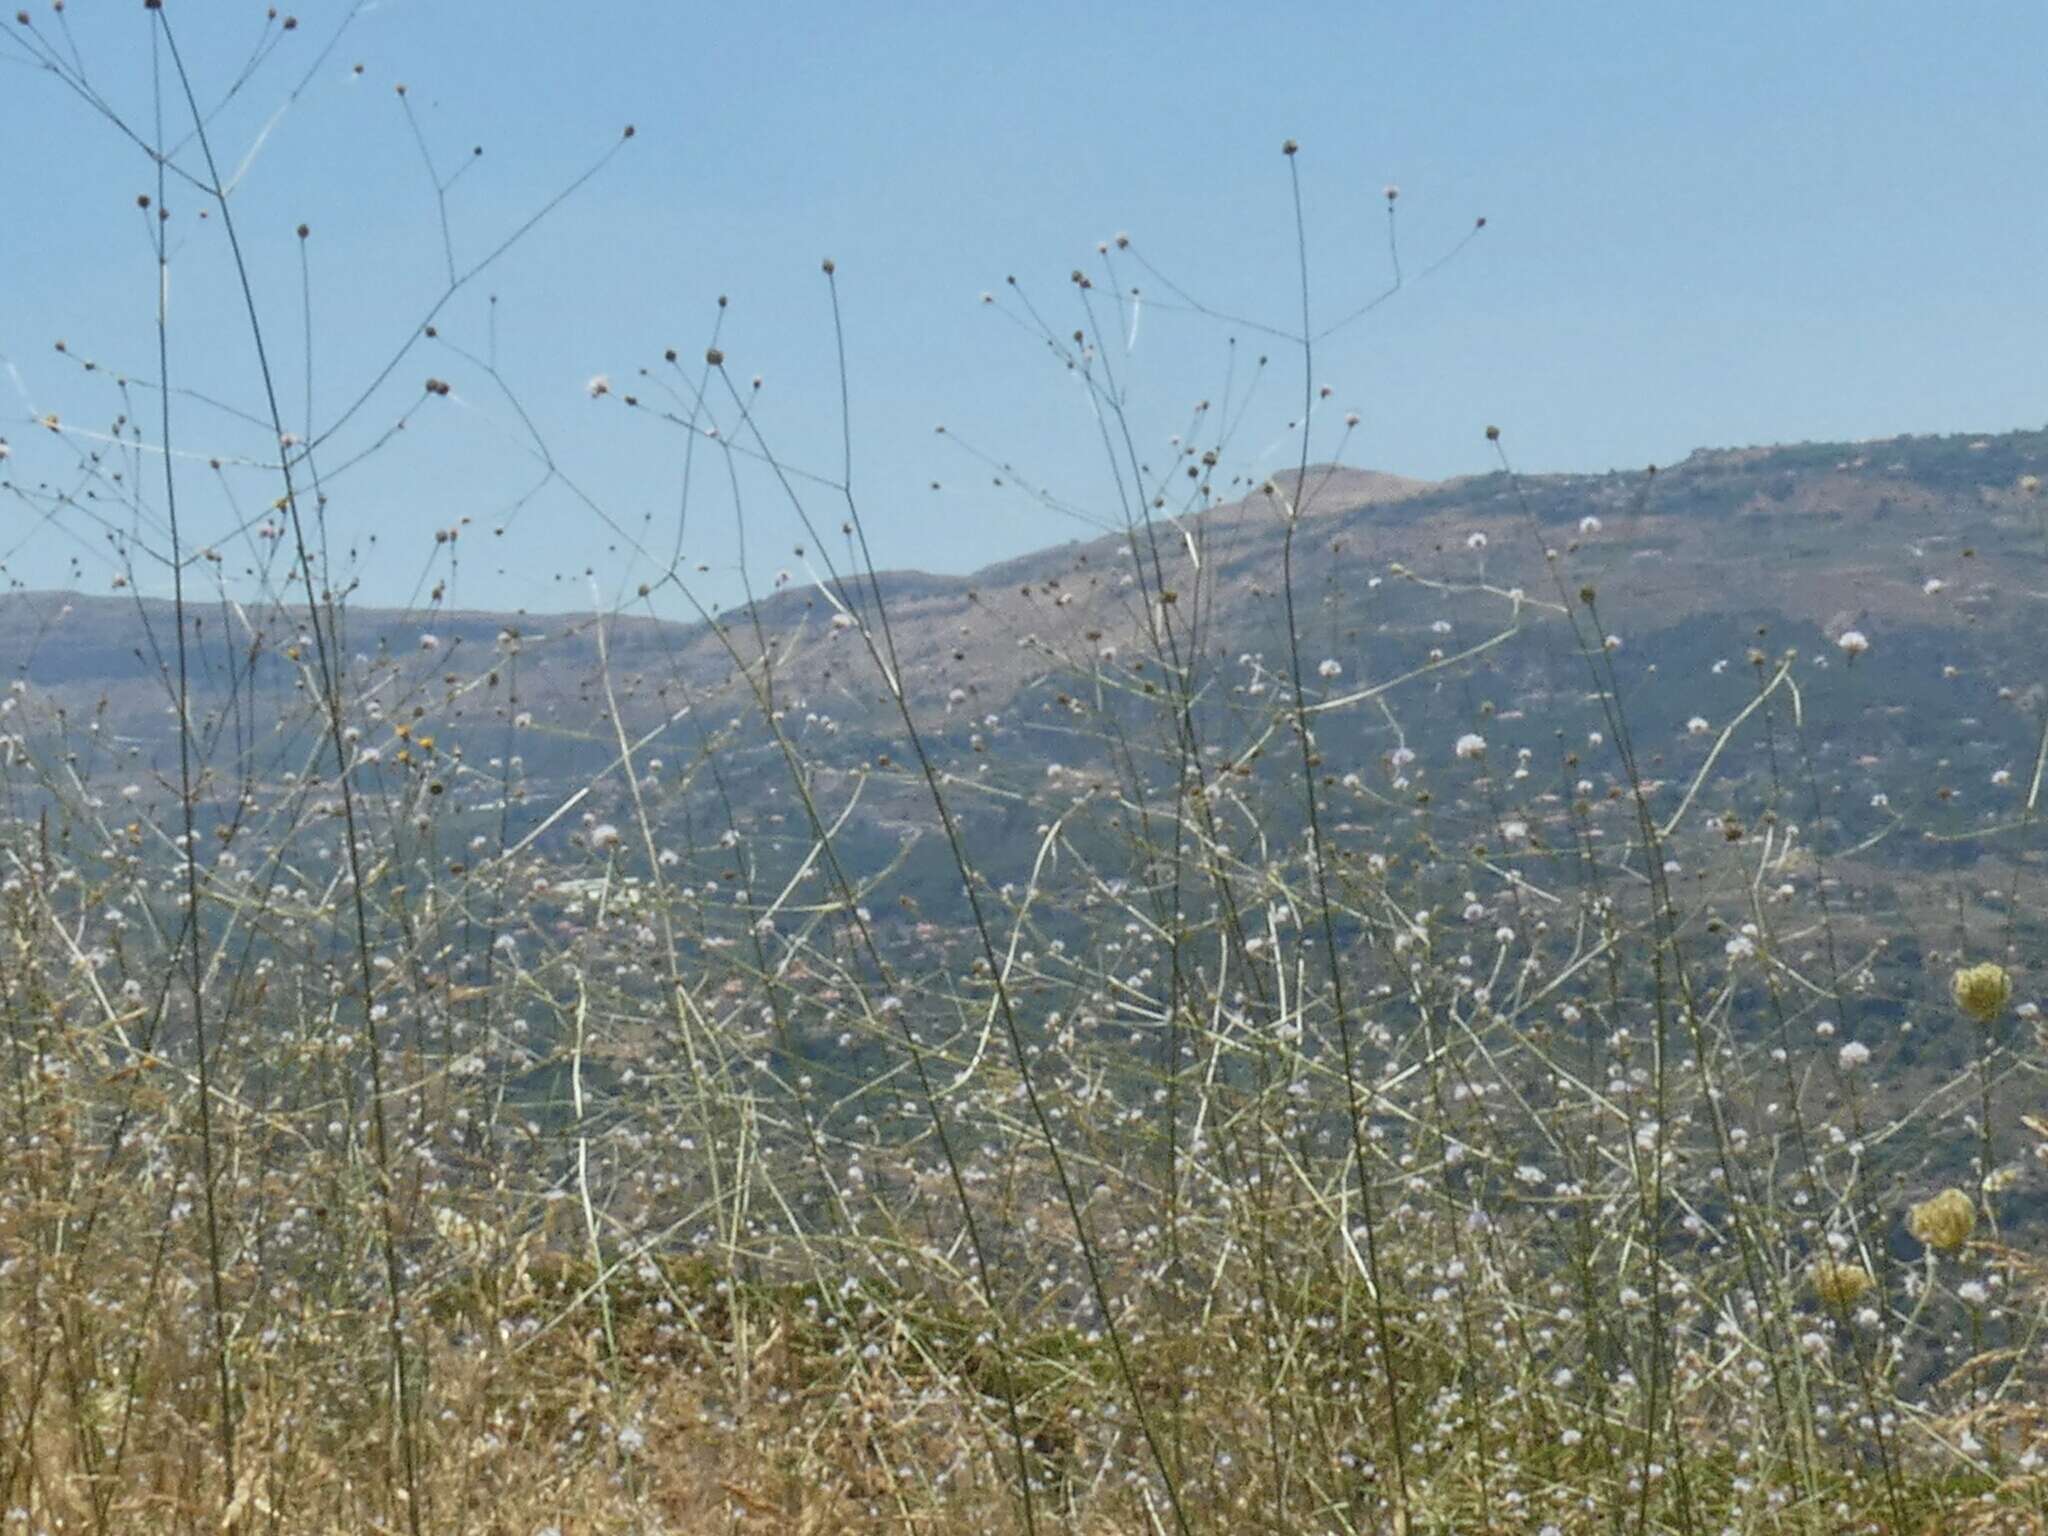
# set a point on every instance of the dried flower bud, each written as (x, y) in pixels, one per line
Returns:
(1982, 991)
(1945, 1222)
(1840, 1285)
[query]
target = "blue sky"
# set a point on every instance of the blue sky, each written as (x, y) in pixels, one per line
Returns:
(1705, 226)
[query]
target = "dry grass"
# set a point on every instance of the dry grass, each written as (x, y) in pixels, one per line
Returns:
(1166, 1079)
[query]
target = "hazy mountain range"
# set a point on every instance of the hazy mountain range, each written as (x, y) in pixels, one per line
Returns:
(1933, 547)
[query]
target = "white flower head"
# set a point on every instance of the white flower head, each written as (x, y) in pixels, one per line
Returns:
(1471, 745)
(1853, 642)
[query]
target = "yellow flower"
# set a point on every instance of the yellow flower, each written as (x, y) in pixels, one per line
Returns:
(1945, 1222)
(1982, 991)
(1840, 1285)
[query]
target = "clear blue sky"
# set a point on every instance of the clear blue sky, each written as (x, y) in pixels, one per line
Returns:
(1707, 225)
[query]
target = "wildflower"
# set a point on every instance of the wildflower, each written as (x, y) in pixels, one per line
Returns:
(1476, 541)
(1932, 585)
(1973, 1293)
(1944, 1222)
(1331, 668)
(1840, 1284)
(1697, 726)
(1589, 524)
(1853, 643)
(1982, 991)
(599, 385)
(605, 837)
(1853, 1055)
(1471, 745)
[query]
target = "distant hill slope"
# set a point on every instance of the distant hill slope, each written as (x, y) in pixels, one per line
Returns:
(1927, 537)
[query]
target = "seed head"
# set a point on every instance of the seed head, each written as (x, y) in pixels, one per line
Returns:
(1840, 1285)
(1982, 991)
(1945, 1222)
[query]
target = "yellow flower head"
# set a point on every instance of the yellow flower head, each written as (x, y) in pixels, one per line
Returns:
(1982, 991)
(1840, 1285)
(1945, 1222)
